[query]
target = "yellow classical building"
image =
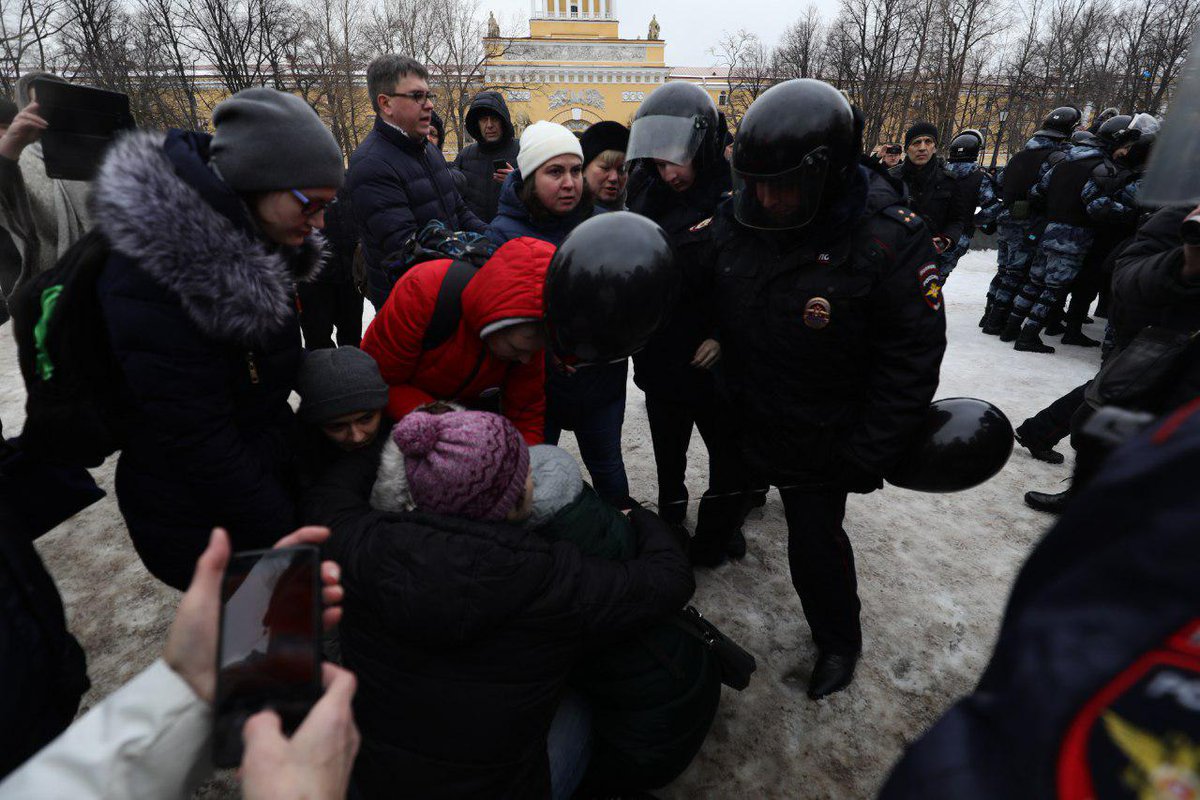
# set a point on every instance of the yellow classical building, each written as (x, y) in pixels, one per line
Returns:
(575, 69)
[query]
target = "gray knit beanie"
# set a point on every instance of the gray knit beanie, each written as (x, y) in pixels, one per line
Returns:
(336, 381)
(557, 482)
(268, 141)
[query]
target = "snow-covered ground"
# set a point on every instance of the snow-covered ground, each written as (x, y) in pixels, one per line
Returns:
(934, 572)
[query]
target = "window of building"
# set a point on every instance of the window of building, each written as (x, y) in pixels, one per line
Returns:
(723, 99)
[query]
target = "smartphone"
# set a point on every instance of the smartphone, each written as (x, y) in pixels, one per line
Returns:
(499, 164)
(83, 121)
(269, 654)
(892, 149)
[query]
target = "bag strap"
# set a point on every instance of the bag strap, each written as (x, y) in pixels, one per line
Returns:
(447, 310)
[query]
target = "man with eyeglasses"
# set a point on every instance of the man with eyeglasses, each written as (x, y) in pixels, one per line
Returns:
(398, 180)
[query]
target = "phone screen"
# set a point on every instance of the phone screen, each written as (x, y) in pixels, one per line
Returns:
(269, 654)
(499, 164)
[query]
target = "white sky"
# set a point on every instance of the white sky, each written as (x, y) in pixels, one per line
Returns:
(689, 28)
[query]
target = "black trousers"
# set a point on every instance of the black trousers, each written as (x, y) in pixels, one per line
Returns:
(723, 505)
(1087, 288)
(325, 306)
(822, 566)
(1052, 424)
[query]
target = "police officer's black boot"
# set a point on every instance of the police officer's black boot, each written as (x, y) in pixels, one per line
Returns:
(1038, 448)
(1076, 336)
(1050, 503)
(1012, 329)
(997, 318)
(832, 673)
(718, 530)
(1028, 341)
(986, 313)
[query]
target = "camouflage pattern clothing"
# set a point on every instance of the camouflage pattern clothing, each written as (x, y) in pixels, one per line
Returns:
(1018, 238)
(1062, 247)
(985, 199)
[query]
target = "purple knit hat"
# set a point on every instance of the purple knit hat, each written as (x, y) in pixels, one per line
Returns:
(467, 464)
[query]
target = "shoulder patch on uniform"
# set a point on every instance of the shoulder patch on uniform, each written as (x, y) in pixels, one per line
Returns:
(931, 285)
(905, 216)
(701, 225)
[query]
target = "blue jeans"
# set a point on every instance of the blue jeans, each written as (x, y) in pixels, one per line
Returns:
(595, 423)
(569, 745)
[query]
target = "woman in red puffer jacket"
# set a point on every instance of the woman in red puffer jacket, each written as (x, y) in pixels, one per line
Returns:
(496, 348)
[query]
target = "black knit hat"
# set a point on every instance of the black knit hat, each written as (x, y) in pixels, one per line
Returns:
(335, 381)
(440, 127)
(920, 129)
(603, 136)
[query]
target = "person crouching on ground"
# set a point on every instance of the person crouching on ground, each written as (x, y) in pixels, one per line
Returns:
(209, 236)
(492, 354)
(342, 402)
(463, 628)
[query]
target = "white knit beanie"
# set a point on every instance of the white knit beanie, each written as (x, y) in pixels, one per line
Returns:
(543, 141)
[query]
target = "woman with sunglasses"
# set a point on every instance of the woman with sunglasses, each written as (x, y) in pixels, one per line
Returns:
(209, 236)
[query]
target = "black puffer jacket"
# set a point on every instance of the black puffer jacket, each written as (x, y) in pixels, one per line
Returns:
(342, 236)
(934, 193)
(397, 185)
(475, 160)
(203, 324)
(810, 391)
(462, 635)
(664, 367)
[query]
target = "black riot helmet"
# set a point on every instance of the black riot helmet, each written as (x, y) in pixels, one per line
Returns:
(675, 123)
(962, 442)
(1061, 122)
(1115, 132)
(965, 147)
(610, 285)
(1139, 152)
(795, 143)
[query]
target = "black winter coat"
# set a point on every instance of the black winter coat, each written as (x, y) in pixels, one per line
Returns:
(934, 193)
(201, 314)
(43, 671)
(342, 235)
(475, 160)
(462, 635)
(396, 186)
(664, 366)
(811, 392)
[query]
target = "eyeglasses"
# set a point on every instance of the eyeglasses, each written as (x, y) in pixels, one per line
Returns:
(417, 97)
(310, 208)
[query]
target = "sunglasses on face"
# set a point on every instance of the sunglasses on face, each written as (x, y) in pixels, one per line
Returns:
(310, 208)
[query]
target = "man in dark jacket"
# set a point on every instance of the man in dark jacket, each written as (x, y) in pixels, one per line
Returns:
(933, 191)
(487, 161)
(832, 329)
(398, 180)
(331, 300)
(462, 635)
(1091, 689)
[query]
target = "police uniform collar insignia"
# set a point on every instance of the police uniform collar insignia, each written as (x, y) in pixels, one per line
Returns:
(817, 313)
(931, 286)
(701, 225)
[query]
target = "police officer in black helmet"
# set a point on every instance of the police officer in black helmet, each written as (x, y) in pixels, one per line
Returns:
(830, 313)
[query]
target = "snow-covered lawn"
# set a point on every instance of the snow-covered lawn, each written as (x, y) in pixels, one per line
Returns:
(934, 572)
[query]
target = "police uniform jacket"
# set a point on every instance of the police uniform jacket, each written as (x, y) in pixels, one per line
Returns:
(832, 335)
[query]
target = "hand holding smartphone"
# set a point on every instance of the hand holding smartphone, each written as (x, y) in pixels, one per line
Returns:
(269, 650)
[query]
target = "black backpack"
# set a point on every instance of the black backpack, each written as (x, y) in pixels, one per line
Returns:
(73, 412)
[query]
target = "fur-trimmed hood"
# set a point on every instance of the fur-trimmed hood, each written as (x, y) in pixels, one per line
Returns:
(158, 203)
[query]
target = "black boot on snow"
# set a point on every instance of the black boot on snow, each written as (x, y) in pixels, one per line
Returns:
(997, 318)
(832, 673)
(1050, 503)
(1055, 329)
(1012, 329)
(735, 548)
(1039, 449)
(1028, 341)
(1077, 337)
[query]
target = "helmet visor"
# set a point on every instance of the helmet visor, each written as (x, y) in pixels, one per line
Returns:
(674, 139)
(783, 201)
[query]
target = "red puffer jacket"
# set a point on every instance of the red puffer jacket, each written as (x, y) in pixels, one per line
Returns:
(509, 286)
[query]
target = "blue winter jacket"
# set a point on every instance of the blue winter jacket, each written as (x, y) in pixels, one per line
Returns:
(513, 219)
(397, 185)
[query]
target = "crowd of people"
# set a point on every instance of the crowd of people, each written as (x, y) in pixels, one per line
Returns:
(490, 602)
